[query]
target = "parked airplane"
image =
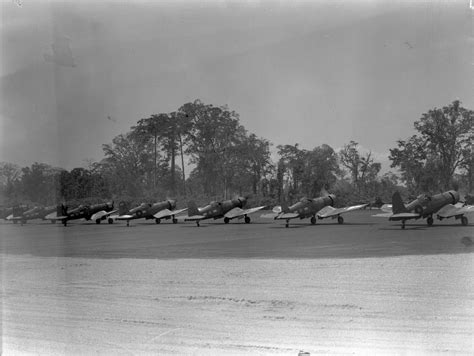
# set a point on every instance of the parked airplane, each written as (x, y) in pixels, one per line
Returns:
(97, 212)
(227, 209)
(318, 207)
(444, 206)
(38, 212)
(157, 211)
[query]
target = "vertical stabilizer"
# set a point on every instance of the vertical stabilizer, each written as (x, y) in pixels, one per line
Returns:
(397, 204)
(192, 209)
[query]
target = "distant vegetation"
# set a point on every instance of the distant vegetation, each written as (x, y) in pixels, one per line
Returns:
(148, 163)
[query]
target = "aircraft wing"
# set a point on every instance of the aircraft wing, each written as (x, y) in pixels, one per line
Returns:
(167, 213)
(450, 210)
(101, 214)
(328, 211)
(287, 216)
(237, 212)
(270, 215)
(194, 218)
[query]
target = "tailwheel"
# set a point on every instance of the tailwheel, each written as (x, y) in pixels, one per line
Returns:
(313, 220)
(464, 221)
(340, 220)
(429, 221)
(226, 220)
(247, 219)
(157, 221)
(175, 221)
(110, 220)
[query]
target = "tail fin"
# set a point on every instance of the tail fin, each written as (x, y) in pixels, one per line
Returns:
(285, 208)
(397, 204)
(192, 209)
(123, 208)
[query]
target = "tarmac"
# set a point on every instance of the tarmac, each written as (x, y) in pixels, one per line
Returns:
(366, 286)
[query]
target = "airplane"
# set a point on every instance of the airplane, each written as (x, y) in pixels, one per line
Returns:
(444, 206)
(157, 211)
(227, 209)
(38, 212)
(321, 208)
(97, 212)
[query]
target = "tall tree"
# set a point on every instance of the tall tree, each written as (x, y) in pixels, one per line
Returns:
(442, 146)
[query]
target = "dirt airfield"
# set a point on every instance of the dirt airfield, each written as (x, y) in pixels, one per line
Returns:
(365, 287)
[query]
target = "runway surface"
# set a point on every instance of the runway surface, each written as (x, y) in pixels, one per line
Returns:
(365, 287)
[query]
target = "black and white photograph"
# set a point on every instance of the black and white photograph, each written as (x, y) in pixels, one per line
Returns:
(236, 177)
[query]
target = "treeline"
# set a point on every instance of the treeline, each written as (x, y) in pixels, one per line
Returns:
(150, 162)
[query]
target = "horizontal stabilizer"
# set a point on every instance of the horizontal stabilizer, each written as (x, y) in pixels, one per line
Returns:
(194, 218)
(277, 209)
(54, 216)
(404, 216)
(125, 217)
(167, 213)
(386, 208)
(269, 215)
(288, 216)
(329, 211)
(101, 214)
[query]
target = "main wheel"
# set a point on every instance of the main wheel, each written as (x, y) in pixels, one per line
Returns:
(157, 221)
(464, 221)
(175, 221)
(110, 220)
(403, 225)
(313, 220)
(429, 221)
(247, 219)
(97, 221)
(340, 220)
(226, 220)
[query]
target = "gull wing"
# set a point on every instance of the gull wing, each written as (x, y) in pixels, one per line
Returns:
(167, 213)
(328, 211)
(450, 210)
(102, 213)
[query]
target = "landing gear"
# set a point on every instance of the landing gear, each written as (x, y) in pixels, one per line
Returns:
(226, 220)
(157, 221)
(313, 220)
(97, 221)
(403, 224)
(429, 221)
(464, 221)
(197, 223)
(247, 220)
(110, 221)
(175, 221)
(65, 222)
(287, 223)
(340, 220)
(128, 223)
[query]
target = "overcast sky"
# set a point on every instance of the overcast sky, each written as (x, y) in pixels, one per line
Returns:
(296, 72)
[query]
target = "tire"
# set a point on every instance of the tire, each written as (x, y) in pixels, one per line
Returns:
(158, 221)
(247, 220)
(97, 221)
(429, 221)
(313, 220)
(464, 221)
(226, 220)
(340, 220)
(110, 220)
(175, 221)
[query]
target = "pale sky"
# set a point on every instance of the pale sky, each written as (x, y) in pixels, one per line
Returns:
(296, 72)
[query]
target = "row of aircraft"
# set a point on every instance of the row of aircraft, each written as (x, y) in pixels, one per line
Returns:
(443, 206)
